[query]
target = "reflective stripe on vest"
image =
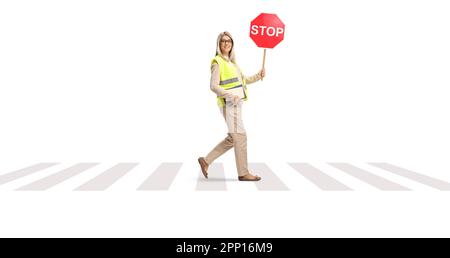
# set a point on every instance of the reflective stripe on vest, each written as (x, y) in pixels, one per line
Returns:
(229, 81)
(228, 77)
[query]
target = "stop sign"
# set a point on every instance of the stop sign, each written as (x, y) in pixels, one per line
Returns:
(267, 30)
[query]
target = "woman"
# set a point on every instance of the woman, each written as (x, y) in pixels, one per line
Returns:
(229, 84)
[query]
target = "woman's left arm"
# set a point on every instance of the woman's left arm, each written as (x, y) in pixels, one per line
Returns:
(255, 77)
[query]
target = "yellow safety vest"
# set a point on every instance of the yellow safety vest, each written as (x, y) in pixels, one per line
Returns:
(228, 77)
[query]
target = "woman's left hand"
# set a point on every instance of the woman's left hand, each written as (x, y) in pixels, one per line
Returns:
(262, 73)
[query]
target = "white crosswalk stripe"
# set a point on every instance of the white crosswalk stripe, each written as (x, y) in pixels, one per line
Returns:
(161, 178)
(107, 178)
(320, 179)
(368, 177)
(186, 176)
(56, 178)
(423, 179)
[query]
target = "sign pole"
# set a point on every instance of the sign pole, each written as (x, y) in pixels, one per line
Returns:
(264, 61)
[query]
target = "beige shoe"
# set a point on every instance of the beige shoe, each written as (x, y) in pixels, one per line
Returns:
(249, 177)
(203, 166)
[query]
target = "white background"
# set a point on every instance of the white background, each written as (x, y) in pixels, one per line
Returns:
(128, 81)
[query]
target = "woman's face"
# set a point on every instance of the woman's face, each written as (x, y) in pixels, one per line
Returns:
(225, 45)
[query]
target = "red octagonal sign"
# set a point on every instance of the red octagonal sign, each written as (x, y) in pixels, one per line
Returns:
(267, 30)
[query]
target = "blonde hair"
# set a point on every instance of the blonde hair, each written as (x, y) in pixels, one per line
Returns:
(218, 52)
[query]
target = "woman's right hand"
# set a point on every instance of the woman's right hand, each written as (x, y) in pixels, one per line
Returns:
(235, 99)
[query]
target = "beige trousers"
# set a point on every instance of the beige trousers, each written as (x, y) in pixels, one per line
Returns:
(236, 138)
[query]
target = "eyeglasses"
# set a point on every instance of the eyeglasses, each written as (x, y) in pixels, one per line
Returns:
(223, 41)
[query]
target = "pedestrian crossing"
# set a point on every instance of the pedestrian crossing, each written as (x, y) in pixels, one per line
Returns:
(175, 176)
(319, 178)
(369, 178)
(161, 178)
(107, 178)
